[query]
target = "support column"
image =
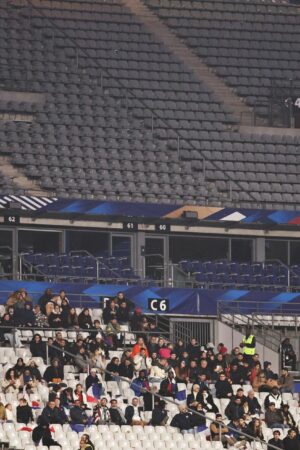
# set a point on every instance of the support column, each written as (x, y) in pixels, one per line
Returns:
(138, 258)
(259, 250)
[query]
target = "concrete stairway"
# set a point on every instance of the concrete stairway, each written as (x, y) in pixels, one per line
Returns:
(31, 188)
(223, 93)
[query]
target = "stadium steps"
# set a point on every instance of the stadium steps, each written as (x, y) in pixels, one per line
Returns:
(224, 94)
(8, 170)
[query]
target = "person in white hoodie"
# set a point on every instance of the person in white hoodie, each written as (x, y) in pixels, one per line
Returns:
(159, 371)
(141, 361)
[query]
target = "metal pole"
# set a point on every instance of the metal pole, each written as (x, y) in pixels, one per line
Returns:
(47, 354)
(152, 124)
(178, 146)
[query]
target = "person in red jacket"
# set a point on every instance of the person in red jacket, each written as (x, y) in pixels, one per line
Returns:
(138, 346)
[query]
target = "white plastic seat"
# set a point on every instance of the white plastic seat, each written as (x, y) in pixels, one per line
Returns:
(29, 447)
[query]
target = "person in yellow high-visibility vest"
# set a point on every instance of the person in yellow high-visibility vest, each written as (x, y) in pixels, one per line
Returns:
(248, 345)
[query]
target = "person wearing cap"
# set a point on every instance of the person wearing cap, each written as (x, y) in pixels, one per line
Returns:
(276, 441)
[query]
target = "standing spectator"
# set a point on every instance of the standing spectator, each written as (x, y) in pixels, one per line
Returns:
(276, 441)
(248, 344)
(123, 313)
(85, 320)
(182, 373)
(179, 348)
(101, 414)
(159, 370)
(42, 433)
(159, 414)
(24, 412)
(136, 320)
(81, 360)
(193, 349)
(116, 413)
(288, 355)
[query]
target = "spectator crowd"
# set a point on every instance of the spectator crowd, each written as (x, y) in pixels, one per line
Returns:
(132, 385)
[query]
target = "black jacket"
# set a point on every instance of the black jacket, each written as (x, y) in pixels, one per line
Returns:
(125, 371)
(38, 349)
(291, 444)
(123, 315)
(129, 412)
(234, 411)
(24, 414)
(78, 415)
(43, 433)
(223, 388)
(158, 416)
(53, 372)
(190, 398)
(183, 421)
(116, 416)
(164, 391)
(109, 314)
(278, 443)
(254, 405)
(51, 415)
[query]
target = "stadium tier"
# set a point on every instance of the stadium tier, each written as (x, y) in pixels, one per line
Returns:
(106, 110)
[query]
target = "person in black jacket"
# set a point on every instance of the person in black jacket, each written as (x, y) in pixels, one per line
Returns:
(85, 320)
(24, 412)
(54, 372)
(223, 387)
(234, 410)
(78, 414)
(194, 397)
(207, 401)
(38, 347)
(199, 420)
(276, 441)
(43, 433)
(159, 414)
(116, 414)
(26, 316)
(253, 403)
(193, 349)
(110, 312)
(51, 414)
(182, 420)
(44, 299)
(291, 441)
(126, 369)
(123, 313)
(133, 413)
(91, 379)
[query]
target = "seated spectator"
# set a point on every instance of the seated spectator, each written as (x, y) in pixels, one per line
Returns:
(207, 401)
(38, 347)
(193, 372)
(28, 381)
(204, 369)
(51, 414)
(42, 433)
(202, 381)
(269, 372)
(235, 374)
(116, 414)
(134, 413)
(69, 318)
(240, 395)
(253, 403)
(136, 349)
(61, 414)
(26, 317)
(168, 386)
(85, 443)
(54, 373)
(136, 320)
(113, 332)
(9, 413)
(221, 348)
(126, 369)
(78, 415)
(159, 371)
(2, 412)
(140, 384)
(19, 367)
(276, 441)
(286, 382)
(54, 318)
(81, 360)
(110, 312)
(141, 361)
(41, 320)
(183, 420)
(66, 398)
(61, 299)
(234, 410)
(194, 397)
(220, 432)
(94, 381)
(44, 299)
(223, 387)
(78, 393)
(9, 332)
(274, 397)
(24, 412)
(199, 420)
(101, 414)
(85, 320)
(123, 313)
(291, 441)
(288, 419)
(165, 351)
(274, 417)
(193, 349)
(182, 373)
(152, 345)
(11, 384)
(159, 414)
(262, 384)
(254, 430)
(112, 369)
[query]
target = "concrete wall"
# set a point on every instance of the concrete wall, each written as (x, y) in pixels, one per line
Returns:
(232, 338)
